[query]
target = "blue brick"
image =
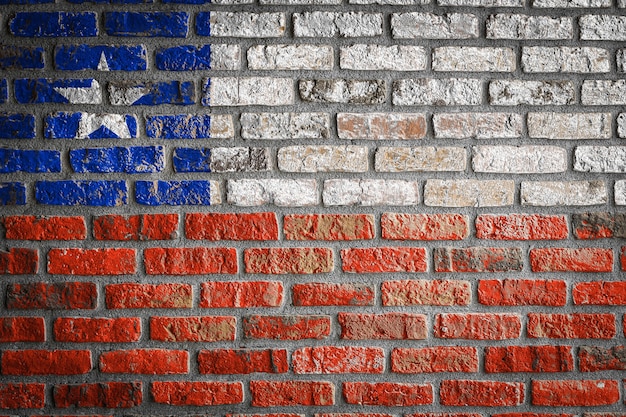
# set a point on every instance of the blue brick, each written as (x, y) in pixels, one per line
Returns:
(152, 94)
(12, 194)
(29, 91)
(164, 24)
(17, 126)
(20, 160)
(203, 23)
(100, 57)
(184, 58)
(131, 160)
(179, 126)
(65, 125)
(4, 91)
(173, 193)
(54, 24)
(21, 57)
(81, 193)
(192, 160)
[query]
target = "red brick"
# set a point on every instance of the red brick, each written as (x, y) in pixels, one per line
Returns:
(597, 358)
(367, 260)
(241, 294)
(478, 326)
(288, 393)
(426, 292)
(243, 361)
(622, 258)
(231, 226)
(52, 296)
(529, 359)
(434, 359)
(599, 225)
(478, 259)
(22, 329)
(600, 293)
(286, 327)
(571, 260)
(399, 226)
(45, 228)
(328, 226)
(522, 292)
(190, 261)
(387, 394)
(333, 294)
(145, 361)
(198, 393)
(571, 326)
(19, 261)
(18, 395)
(74, 261)
(137, 227)
(481, 393)
(392, 326)
(106, 394)
(574, 393)
(521, 227)
(46, 362)
(193, 329)
(130, 295)
(97, 329)
(338, 360)
(288, 260)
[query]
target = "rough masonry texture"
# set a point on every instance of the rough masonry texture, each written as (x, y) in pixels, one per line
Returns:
(313, 208)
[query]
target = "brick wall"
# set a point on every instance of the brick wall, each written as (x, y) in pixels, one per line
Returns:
(313, 208)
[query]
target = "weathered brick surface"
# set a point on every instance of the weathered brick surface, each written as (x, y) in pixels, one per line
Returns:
(529, 359)
(473, 59)
(285, 125)
(388, 394)
(423, 292)
(477, 326)
(431, 26)
(481, 393)
(519, 292)
(340, 192)
(563, 193)
(393, 326)
(547, 125)
(380, 126)
(477, 125)
(425, 158)
(565, 59)
(519, 159)
(571, 326)
(436, 359)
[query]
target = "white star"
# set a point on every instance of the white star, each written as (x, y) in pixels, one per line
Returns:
(126, 96)
(103, 65)
(82, 95)
(89, 123)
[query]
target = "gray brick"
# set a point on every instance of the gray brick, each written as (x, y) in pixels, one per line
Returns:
(620, 57)
(467, 58)
(602, 27)
(391, 2)
(280, 192)
(379, 57)
(553, 4)
(263, 91)
(432, 26)
(225, 57)
(420, 159)
(603, 92)
(621, 125)
(477, 125)
(285, 125)
(329, 24)
(569, 125)
(620, 193)
(482, 3)
(247, 25)
(565, 59)
(563, 193)
(348, 192)
(343, 91)
(240, 159)
(290, 57)
(519, 159)
(517, 26)
(469, 193)
(385, 126)
(536, 93)
(323, 159)
(437, 92)
(610, 159)
(295, 2)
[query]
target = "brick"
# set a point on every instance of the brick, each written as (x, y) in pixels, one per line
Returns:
(291, 57)
(528, 359)
(145, 361)
(131, 295)
(571, 260)
(292, 393)
(521, 227)
(100, 57)
(385, 259)
(241, 294)
(52, 296)
(199, 58)
(388, 394)
(473, 59)
(22, 329)
(458, 415)
(519, 159)
(242, 361)
(280, 192)
(221, 160)
(231, 226)
(328, 226)
(31, 161)
(387, 326)
(105, 394)
(46, 362)
(17, 126)
(177, 193)
(598, 225)
(332, 294)
(197, 393)
(599, 293)
(286, 327)
(323, 159)
(381, 126)
(19, 57)
(109, 261)
(611, 159)
(602, 27)
(4, 91)
(437, 92)
(596, 358)
(434, 359)
(133, 93)
(346, 192)
(571, 326)
(45, 228)
(431, 26)
(149, 24)
(469, 193)
(382, 58)
(329, 24)
(68, 91)
(571, 3)
(81, 125)
(285, 125)
(20, 395)
(565, 59)
(136, 227)
(518, 26)
(130, 160)
(482, 3)
(522, 292)
(420, 159)
(621, 125)
(534, 93)
(620, 57)
(263, 91)
(481, 393)
(478, 259)
(338, 360)
(477, 125)
(190, 261)
(12, 194)
(563, 193)
(240, 24)
(193, 329)
(426, 292)
(97, 329)
(190, 126)
(620, 192)
(342, 91)
(82, 193)
(19, 261)
(603, 92)
(404, 226)
(288, 260)
(478, 326)
(53, 24)
(569, 125)
(574, 393)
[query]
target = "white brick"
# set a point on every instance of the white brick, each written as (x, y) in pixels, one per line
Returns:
(285, 125)
(563, 193)
(569, 125)
(554, 4)
(419, 159)
(323, 159)
(283, 192)
(517, 26)
(519, 159)
(347, 192)
(329, 24)
(621, 125)
(225, 57)
(290, 57)
(565, 59)
(295, 2)
(482, 3)
(240, 159)
(343, 91)
(536, 93)
(432, 26)
(620, 193)
(603, 92)
(247, 25)
(620, 57)
(437, 92)
(379, 57)
(467, 58)
(602, 27)
(469, 193)
(231, 91)
(611, 159)
(381, 126)
(390, 2)
(477, 125)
